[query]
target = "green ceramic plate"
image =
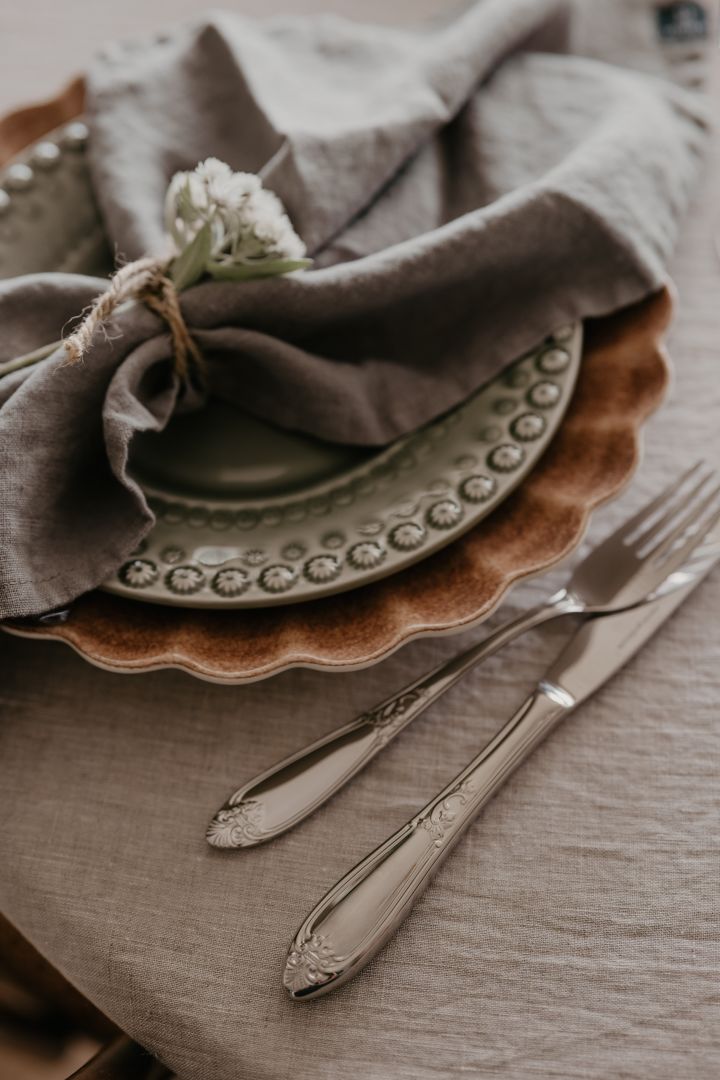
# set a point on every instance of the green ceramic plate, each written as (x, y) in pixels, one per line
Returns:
(251, 516)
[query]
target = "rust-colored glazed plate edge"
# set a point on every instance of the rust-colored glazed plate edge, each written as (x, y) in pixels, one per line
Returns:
(355, 631)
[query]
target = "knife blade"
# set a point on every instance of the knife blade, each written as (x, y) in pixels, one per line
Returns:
(603, 645)
(361, 912)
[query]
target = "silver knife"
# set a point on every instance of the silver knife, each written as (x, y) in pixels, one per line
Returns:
(356, 918)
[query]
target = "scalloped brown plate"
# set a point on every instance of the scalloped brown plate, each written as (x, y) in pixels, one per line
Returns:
(623, 378)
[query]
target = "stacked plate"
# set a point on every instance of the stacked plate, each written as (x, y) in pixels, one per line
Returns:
(272, 549)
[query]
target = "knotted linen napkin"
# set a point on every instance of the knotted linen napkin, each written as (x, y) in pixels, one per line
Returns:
(463, 189)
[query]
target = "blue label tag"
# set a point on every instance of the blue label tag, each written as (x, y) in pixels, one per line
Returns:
(682, 21)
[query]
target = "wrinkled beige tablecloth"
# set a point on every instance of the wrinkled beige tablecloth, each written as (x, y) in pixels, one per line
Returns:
(574, 933)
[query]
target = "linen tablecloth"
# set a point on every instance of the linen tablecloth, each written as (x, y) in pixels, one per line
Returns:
(573, 933)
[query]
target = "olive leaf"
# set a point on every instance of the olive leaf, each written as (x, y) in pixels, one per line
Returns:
(262, 268)
(192, 262)
(265, 268)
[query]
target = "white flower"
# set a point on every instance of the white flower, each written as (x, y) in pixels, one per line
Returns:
(187, 206)
(269, 229)
(223, 186)
(226, 224)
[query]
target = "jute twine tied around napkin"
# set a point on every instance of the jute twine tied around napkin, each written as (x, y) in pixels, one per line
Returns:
(222, 224)
(145, 280)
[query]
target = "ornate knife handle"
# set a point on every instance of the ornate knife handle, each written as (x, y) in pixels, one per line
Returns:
(355, 919)
(290, 791)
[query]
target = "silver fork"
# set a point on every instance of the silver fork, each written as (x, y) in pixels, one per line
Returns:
(625, 570)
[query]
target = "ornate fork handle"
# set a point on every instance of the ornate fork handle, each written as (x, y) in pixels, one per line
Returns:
(287, 793)
(358, 915)
(355, 919)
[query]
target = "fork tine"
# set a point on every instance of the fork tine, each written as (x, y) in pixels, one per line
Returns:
(688, 551)
(693, 516)
(681, 557)
(656, 504)
(643, 541)
(707, 550)
(700, 560)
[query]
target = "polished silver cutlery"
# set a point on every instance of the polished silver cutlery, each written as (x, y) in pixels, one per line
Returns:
(358, 915)
(620, 573)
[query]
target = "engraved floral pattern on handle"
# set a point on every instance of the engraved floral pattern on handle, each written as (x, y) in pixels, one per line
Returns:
(237, 826)
(310, 963)
(444, 813)
(388, 717)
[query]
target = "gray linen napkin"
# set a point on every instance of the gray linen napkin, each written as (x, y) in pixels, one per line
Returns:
(463, 188)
